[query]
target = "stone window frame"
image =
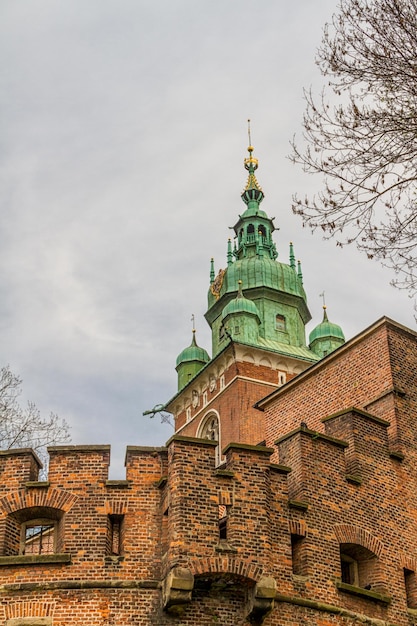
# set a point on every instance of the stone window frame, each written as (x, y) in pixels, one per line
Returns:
(202, 431)
(18, 521)
(349, 570)
(282, 377)
(25, 540)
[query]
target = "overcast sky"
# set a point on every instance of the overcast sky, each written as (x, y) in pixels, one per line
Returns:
(123, 134)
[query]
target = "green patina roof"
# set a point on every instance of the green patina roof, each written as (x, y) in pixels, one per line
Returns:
(193, 353)
(263, 272)
(297, 352)
(326, 330)
(240, 304)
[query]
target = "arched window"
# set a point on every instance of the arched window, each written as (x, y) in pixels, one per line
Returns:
(33, 531)
(359, 566)
(262, 231)
(250, 233)
(210, 429)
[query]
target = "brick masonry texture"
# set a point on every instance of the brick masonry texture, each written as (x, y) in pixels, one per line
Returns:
(336, 474)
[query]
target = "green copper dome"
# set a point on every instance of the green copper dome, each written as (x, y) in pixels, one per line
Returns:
(240, 304)
(326, 337)
(189, 362)
(275, 288)
(326, 329)
(193, 353)
(263, 272)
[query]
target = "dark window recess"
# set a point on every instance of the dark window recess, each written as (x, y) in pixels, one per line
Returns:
(410, 588)
(298, 555)
(222, 522)
(361, 567)
(280, 323)
(115, 535)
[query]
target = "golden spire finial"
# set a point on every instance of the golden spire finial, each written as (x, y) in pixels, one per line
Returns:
(250, 148)
(251, 163)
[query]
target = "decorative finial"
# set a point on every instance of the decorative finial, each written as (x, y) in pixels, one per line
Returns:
(252, 191)
(299, 271)
(325, 318)
(193, 322)
(292, 256)
(251, 164)
(250, 149)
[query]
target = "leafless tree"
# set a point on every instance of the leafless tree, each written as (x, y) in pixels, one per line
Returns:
(24, 427)
(361, 134)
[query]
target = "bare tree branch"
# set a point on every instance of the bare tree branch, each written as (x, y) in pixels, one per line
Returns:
(364, 144)
(24, 427)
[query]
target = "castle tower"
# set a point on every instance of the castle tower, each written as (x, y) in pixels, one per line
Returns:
(257, 312)
(326, 336)
(275, 288)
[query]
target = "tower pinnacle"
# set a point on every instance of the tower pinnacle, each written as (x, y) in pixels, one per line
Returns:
(252, 192)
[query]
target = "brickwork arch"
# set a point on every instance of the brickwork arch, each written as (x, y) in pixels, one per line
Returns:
(226, 565)
(348, 533)
(28, 609)
(45, 498)
(408, 561)
(297, 527)
(117, 507)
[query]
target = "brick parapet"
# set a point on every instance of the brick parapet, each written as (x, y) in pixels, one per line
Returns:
(18, 466)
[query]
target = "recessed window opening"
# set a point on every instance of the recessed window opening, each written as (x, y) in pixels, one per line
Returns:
(410, 588)
(298, 555)
(282, 378)
(223, 522)
(115, 534)
(280, 323)
(38, 537)
(349, 568)
(359, 566)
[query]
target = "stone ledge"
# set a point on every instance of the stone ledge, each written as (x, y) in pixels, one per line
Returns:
(364, 593)
(123, 484)
(225, 547)
(223, 473)
(332, 609)
(353, 479)
(35, 559)
(297, 504)
(234, 445)
(43, 484)
(314, 434)
(280, 469)
(80, 584)
(398, 456)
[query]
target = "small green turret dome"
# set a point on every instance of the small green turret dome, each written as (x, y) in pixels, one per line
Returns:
(326, 336)
(240, 304)
(190, 361)
(193, 353)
